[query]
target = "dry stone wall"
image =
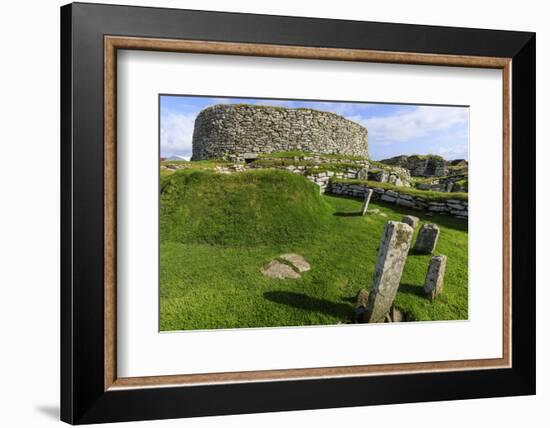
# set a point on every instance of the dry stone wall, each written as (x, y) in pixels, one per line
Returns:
(226, 130)
(454, 207)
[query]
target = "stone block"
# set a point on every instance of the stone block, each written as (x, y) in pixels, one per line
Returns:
(426, 240)
(411, 220)
(390, 261)
(365, 207)
(433, 284)
(388, 198)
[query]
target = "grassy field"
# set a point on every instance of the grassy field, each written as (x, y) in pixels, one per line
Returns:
(218, 230)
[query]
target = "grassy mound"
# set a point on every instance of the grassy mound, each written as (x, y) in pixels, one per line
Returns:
(251, 208)
(217, 231)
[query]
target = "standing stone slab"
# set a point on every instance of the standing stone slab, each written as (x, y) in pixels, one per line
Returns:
(427, 239)
(433, 285)
(390, 262)
(368, 194)
(411, 220)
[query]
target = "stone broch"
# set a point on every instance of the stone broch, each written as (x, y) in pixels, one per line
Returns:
(230, 129)
(390, 262)
(365, 207)
(427, 239)
(433, 285)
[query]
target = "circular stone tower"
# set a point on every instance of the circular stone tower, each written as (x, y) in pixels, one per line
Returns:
(243, 130)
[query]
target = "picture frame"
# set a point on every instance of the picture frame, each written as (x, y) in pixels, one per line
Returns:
(91, 391)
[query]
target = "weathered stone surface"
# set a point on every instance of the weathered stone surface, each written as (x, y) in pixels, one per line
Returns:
(426, 240)
(233, 130)
(405, 203)
(363, 174)
(396, 315)
(411, 220)
(277, 269)
(433, 284)
(390, 262)
(297, 261)
(424, 166)
(362, 298)
(388, 198)
(368, 195)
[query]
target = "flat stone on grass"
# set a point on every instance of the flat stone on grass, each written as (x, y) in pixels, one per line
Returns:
(277, 269)
(286, 266)
(297, 261)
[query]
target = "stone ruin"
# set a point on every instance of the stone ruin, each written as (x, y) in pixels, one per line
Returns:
(246, 130)
(421, 165)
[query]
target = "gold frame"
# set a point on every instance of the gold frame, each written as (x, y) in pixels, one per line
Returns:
(113, 43)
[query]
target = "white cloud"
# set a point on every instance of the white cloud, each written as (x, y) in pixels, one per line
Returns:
(176, 133)
(409, 124)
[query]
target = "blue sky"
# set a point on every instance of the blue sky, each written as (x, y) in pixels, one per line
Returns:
(394, 129)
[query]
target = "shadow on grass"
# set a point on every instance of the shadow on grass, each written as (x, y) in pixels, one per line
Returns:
(302, 301)
(351, 300)
(346, 214)
(415, 290)
(414, 252)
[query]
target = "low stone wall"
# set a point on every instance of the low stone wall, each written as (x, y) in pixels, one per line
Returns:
(450, 206)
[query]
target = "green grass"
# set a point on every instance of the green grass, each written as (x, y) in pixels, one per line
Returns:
(427, 195)
(463, 182)
(250, 208)
(217, 231)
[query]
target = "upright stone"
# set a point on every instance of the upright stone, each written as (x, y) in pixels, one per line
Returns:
(368, 195)
(433, 285)
(390, 262)
(411, 220)
(427, 239)
(363, 173)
